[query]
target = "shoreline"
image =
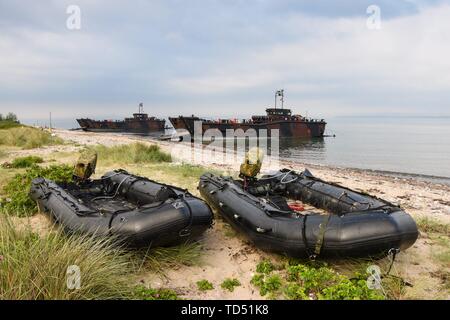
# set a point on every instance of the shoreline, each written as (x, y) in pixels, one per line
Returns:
(421, 198)
(233, 256)
(439, 180)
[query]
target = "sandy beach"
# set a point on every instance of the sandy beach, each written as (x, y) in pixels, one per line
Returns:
(225, 256)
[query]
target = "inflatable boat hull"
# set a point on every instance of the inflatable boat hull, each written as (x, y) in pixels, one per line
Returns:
(346, 232)
(138, 211)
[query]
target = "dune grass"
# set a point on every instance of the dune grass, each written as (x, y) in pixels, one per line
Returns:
(431, 225)
(16, 200)
(132, 153)
(3, 154)
(7, 124)
(27, 138)
(35, 267)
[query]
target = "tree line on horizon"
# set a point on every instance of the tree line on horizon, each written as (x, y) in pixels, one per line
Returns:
(9, 117)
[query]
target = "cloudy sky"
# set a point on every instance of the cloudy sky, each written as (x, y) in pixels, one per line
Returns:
(224, 57)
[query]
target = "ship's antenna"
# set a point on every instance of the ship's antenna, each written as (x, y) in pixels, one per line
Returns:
(279, 93)
(276, 96)
(141, 108)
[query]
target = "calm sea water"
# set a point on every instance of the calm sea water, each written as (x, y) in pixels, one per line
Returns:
(397, 144)
(405, 145)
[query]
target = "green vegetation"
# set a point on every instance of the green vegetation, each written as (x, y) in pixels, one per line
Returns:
(9, 124)
(441, 252)
(9, 121)
(24, 162)
(204, 285)
(27, 138)
(188, 170)
(143, 293)
(36, 267)
(299, 282)
(265, 266)
(9, 117)
(267, 284)
(161, 259)
(229, 284)
(16, 200)
(430, 225)
(132, 153)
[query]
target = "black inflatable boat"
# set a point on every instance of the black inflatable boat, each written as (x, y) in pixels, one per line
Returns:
(133, 209)
(355, 225)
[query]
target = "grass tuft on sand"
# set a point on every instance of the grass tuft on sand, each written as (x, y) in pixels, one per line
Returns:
(144, 293)
(27, 138)
(132, 153)
(35, 267)
(159, 260)
(431, 225)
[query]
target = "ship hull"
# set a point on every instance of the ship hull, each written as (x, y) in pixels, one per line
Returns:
(142, 127)
(286, 129)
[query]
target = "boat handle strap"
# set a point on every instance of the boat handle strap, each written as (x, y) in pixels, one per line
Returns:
(321, 236)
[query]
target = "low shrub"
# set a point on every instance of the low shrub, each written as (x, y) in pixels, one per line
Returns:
(267, 284)
(204, 285)
(300, 282)
(25, 162)
(265, 266)
(16, 199)
(229, 284)
(144, 293)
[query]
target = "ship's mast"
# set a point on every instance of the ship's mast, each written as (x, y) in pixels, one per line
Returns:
(141, 108)
(279, 93)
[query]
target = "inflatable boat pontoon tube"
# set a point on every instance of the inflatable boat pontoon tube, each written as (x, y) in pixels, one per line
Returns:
(357, 225)
(136, 210)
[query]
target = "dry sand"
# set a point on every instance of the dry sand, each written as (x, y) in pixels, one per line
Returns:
(234, 257)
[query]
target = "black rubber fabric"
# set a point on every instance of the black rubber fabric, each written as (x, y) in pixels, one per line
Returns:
(133, 209)
(358, 225)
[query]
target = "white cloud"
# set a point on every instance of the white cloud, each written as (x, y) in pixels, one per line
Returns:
(409, 54)
(229, 61)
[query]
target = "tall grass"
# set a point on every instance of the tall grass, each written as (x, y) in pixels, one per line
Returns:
(132, 153)
(35, 267)
(27, 138)
(7, 124)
